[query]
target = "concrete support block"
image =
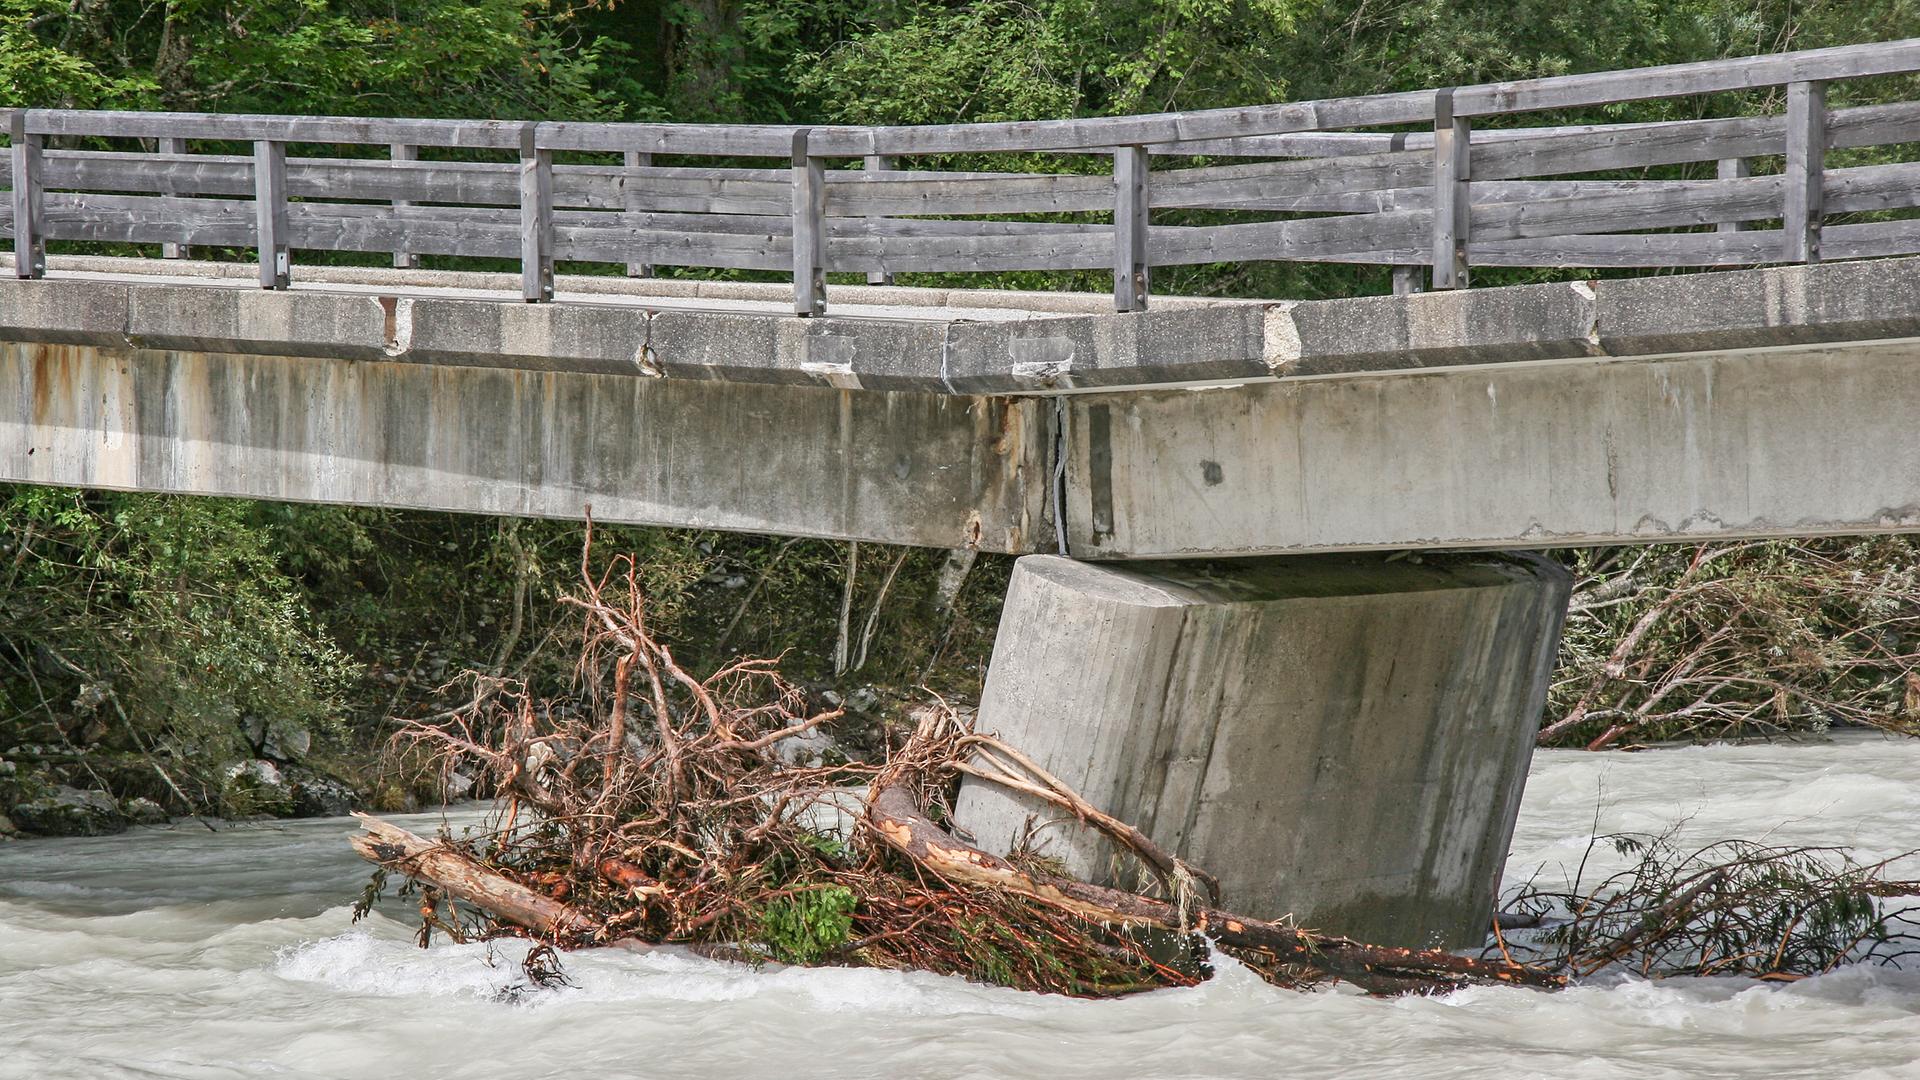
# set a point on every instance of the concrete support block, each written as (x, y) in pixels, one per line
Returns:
(1438, 329)
(335, 327)
(1226, 343)
(62, 312)
(1757, 309)
(1341, 739)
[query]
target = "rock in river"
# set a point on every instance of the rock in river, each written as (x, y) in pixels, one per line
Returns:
(69, 811)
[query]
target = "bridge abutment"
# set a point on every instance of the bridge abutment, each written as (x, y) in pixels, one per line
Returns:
(1339, 738)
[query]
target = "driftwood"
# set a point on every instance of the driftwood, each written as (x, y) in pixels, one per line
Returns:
(453, 873)
(894, 816)
(654, 808)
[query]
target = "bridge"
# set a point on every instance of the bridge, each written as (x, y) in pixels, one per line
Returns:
(1127, 442)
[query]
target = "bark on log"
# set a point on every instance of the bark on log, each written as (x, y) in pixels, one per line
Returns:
(897, 819)
(395, 848)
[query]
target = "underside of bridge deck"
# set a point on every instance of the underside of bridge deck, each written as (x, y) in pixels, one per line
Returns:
(1752, 403)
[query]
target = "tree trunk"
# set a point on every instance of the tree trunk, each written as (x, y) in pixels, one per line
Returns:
(897, 819)
(460, 877)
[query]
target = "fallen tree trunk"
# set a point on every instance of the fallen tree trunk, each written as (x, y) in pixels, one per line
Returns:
(394, 848)
(898, 820)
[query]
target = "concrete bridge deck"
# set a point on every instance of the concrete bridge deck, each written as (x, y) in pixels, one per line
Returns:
(1751, 403)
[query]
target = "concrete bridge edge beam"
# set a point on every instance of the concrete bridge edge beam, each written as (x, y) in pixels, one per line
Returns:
(1342, 739)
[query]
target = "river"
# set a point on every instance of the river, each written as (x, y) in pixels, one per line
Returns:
(179, 952)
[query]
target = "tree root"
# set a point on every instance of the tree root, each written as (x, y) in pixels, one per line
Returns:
(653, 808)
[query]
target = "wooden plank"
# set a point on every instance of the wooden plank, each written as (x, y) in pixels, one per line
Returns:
(1586, 147)
(809, 236)
(270, 213)
(1130, 228)
(1232, 185)
(873, 163)
(1406, 280)
(1871, 239)
(1317, 144)
(403, 259)
(1297, 240)
(1452, 198)
(536, 218)
(150, 219)
(730, 251)
(1697, 140)
(1680, 80)
(1075, 250)
(25, 198)
(1421, 197)
(1601, 252)
(634, 199)
(1596, 251)
(719, 140)
(1803, 213)
(1686, 141)
(962, 194)
(425, 230)
(173, 147)
(243, 127)
(1676, 204)
(1732, 169)
(1099, 133)
(1871, 187)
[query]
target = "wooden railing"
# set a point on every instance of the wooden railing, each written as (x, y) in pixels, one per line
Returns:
(1445, 195)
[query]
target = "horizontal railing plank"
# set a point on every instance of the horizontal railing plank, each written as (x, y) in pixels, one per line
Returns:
(477, 134)
(1683, 80)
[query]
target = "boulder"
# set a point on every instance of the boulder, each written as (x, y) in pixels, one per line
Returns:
(8, 830)
(286, 742)
(69, 811)
(257, 787)
(315, 795)
(142, 811)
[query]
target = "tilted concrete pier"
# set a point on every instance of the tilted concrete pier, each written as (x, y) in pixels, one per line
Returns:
(1274, 719)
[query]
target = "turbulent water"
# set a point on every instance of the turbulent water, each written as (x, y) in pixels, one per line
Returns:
(183, 953)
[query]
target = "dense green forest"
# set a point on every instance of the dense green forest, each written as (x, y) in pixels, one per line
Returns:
(152, 647)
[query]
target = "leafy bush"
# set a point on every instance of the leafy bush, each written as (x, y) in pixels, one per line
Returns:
(805, 927)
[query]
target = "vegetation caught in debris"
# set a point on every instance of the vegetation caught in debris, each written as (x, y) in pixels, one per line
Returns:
(653, 806)
(1738, 639)
(1729, 908)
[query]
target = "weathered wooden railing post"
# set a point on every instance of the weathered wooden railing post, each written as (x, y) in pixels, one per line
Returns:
(403, 259)
(879, 163)
(170, 145)
(1130, 165)
(29, 245)
(270, 212)
(1452, 202)
(1732, 169)
(1805, 171)
(809, 229)
(631, 201)
(1406, 280)
(536, 217)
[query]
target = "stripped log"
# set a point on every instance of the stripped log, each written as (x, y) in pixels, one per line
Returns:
(897, 819)
(394, 848)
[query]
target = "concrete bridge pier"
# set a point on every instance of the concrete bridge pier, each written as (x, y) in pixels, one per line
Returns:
(1342, 739)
